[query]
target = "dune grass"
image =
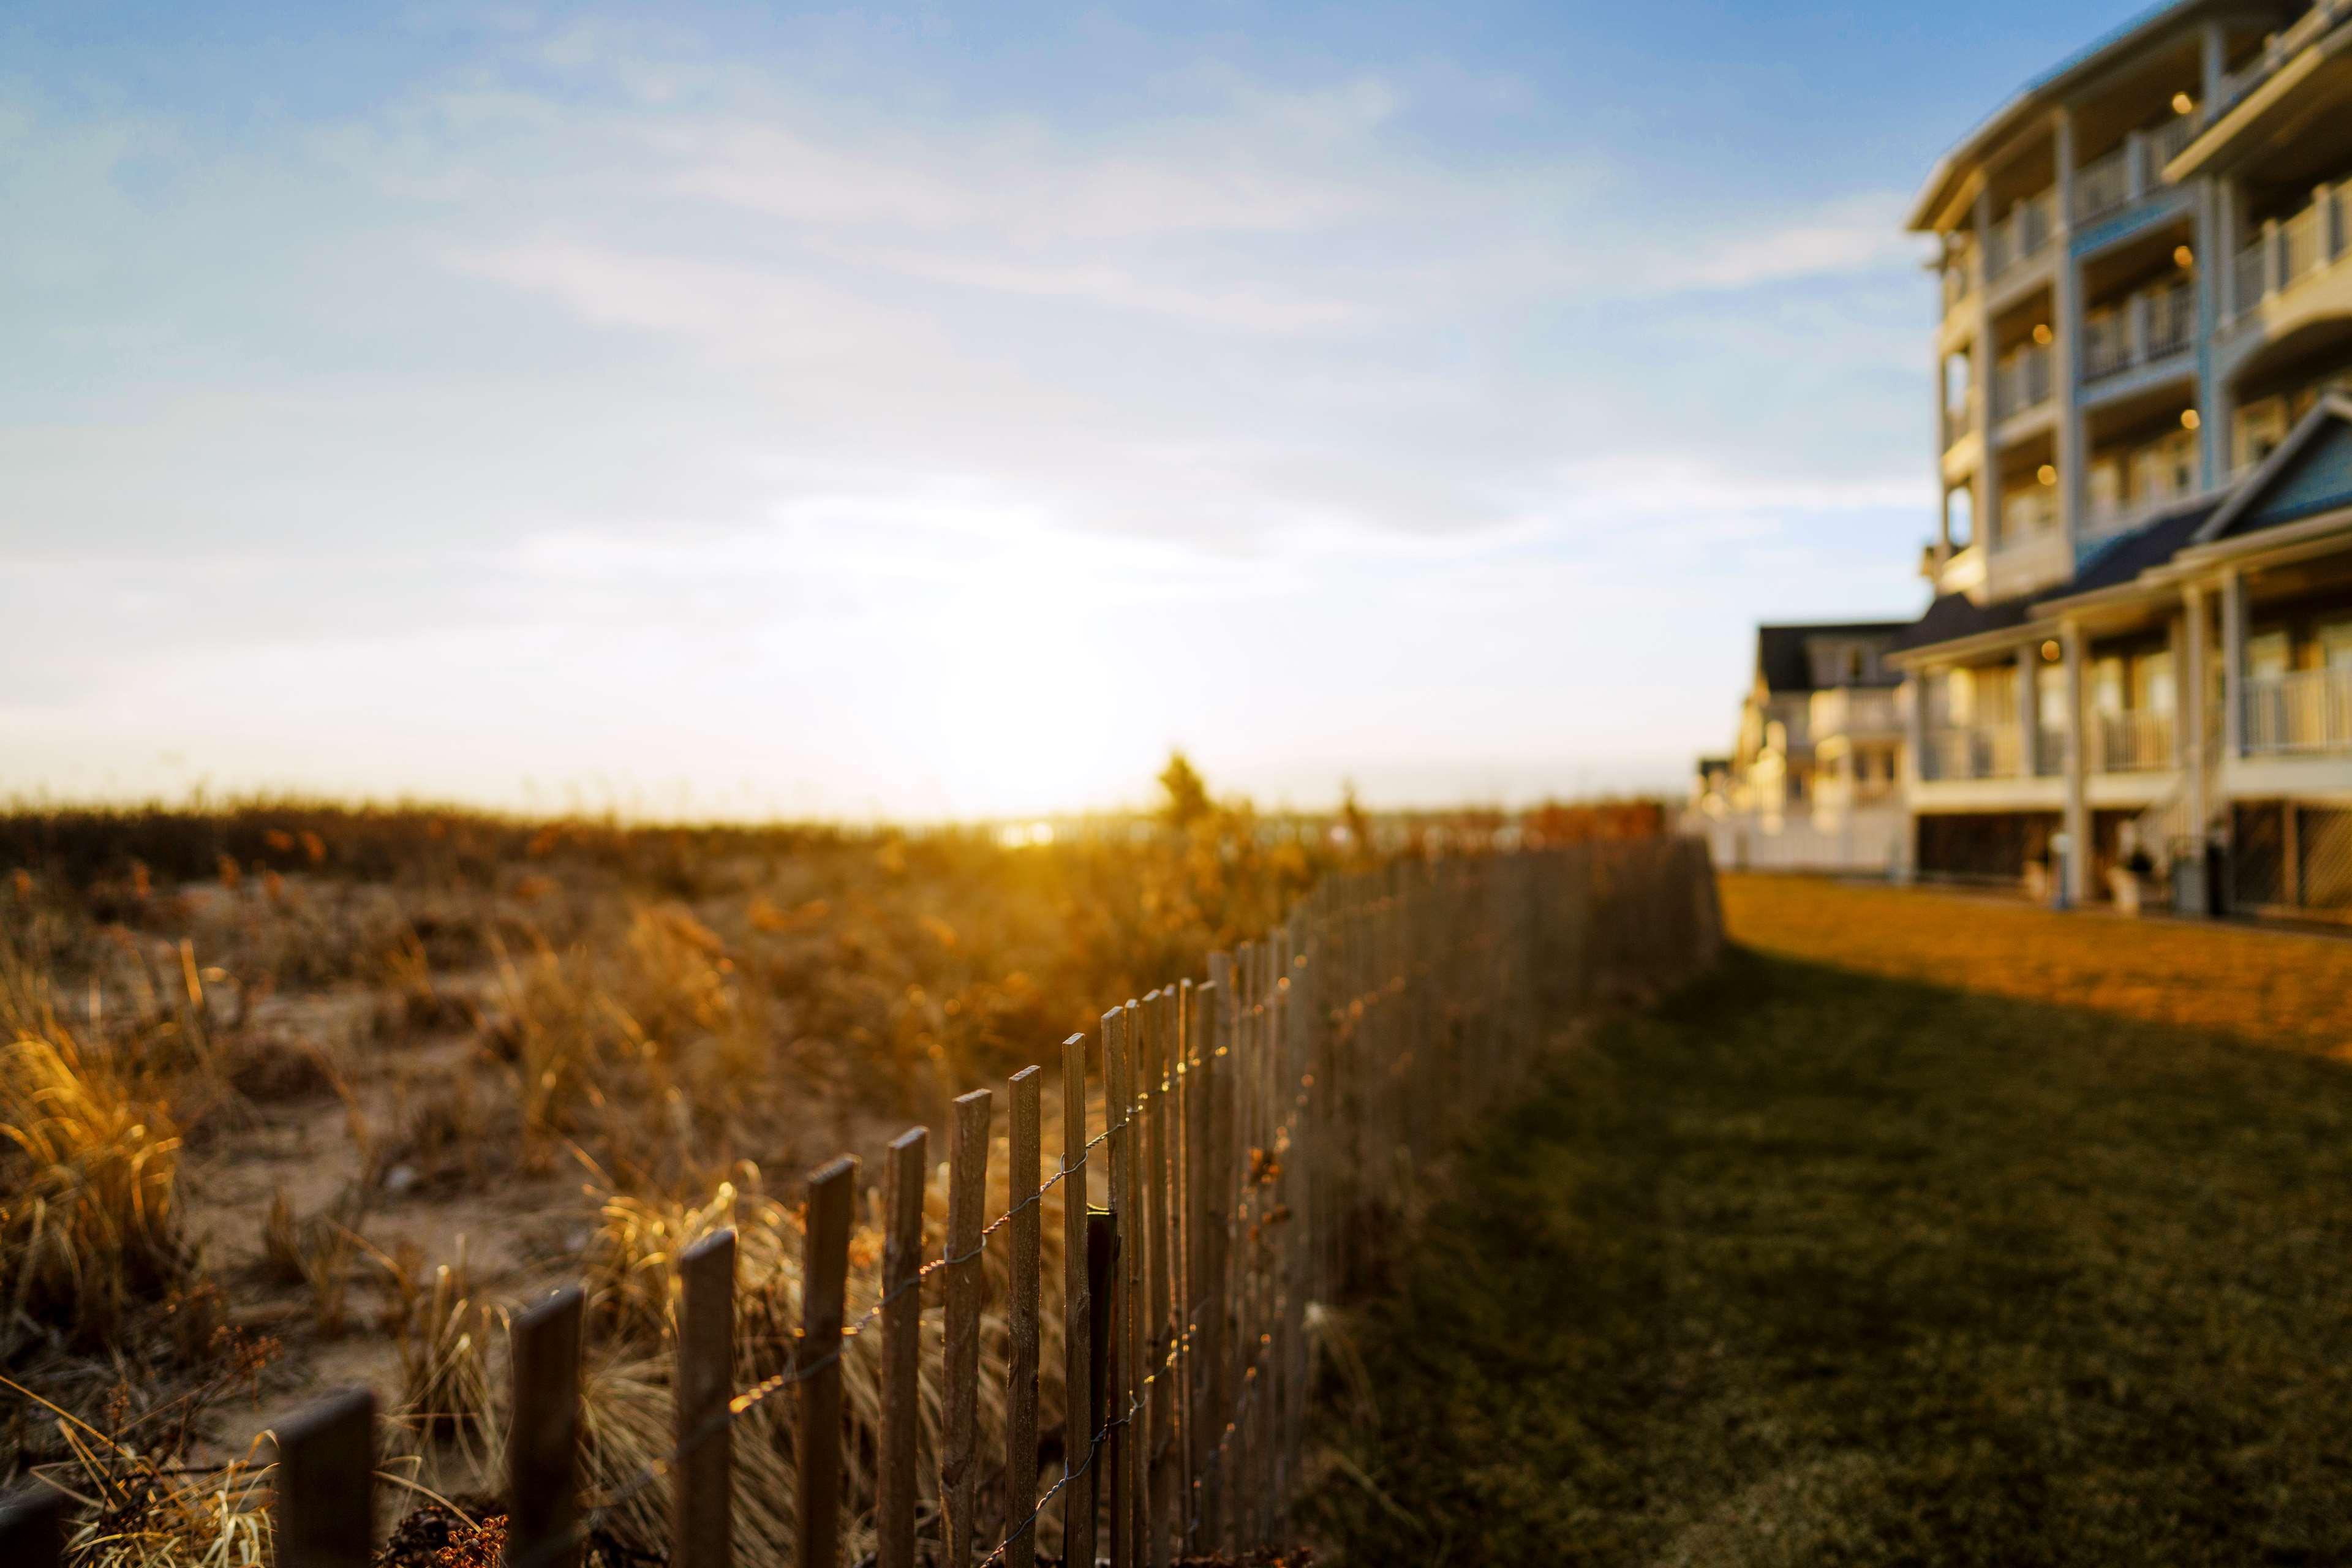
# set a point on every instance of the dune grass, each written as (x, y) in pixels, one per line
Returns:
(1814, 1266)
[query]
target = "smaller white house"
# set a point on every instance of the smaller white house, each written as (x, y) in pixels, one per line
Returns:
(1814, 779)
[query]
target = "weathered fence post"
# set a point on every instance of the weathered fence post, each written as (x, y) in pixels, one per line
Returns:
(1118, 1357)
(1160, 1343)
(703, 1498)
(325, 1503)
(824, 1280)
(960, 1443)
(902, 1344)
(33, 1526)
(1022, 1175)
(1077, 1315)
(543, 1437)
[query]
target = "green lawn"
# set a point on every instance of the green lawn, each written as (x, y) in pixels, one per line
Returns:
(1811, 1266)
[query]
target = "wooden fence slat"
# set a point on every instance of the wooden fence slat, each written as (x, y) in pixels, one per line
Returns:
(1217, 1235)
(966, 1280)
(543, 1436)
(1192, 1200)
(33, 1526)
(1078, 1345)
(702, 1496)
(1119, 1080)
(1158, 1340)
(825, 1282)
(1022, 1175)
(325, 1484)
(1245, 1077)
(902, 1344)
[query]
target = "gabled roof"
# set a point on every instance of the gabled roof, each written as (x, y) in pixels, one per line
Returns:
(1782, 663)
(2309, 474)
(1955, 616)
(2124, 558)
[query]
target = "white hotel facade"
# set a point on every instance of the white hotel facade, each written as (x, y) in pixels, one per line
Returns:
(2140, 627)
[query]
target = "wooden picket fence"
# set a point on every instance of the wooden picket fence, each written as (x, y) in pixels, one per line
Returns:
(1255, 1135)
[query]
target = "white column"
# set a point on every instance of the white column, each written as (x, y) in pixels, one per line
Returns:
(2078, 757)
(1915, 726)
(2065, 352)
(1984, 528)
(2189, 698)
(2216, 65)
(2233, 671)
(2029, 716)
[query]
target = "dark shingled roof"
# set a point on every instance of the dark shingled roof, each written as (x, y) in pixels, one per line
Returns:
(1780, 650)
(1955, 616)
(2120, 559)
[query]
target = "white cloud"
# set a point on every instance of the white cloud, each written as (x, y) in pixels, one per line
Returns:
(1853, 234)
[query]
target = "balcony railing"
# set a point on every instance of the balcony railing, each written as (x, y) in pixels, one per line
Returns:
(2152, 325)
(2307, 711)
(2020, 381)
(2049, 752)
(1854, 710)
(2134, 170)
(2279, 50)
(2292, 248)
(2023, 235)
(2137, 741)
(2170, 141)
(2103, 185)
(2029, 513)
(1956, 283)
(1970, 751)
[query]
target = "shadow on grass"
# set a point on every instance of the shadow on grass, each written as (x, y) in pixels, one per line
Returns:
(1808, 1267)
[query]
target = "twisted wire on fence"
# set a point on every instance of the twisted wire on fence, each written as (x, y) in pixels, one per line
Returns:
(1298, 1090)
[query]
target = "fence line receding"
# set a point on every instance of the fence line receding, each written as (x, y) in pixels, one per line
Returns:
(1257, 1137)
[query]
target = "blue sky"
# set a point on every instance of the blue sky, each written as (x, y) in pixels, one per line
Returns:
(945, 409)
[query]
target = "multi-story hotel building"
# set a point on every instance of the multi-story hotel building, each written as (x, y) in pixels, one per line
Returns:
(2140, 634)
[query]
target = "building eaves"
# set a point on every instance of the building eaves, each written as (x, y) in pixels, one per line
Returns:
(1956, 618)
(2041, 93)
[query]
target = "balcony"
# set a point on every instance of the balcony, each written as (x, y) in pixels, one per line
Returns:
(1856, 711)
(2304, 712)
(2020, 381)
(2292, 250)
(2023, 235)
(2134, 171)
(1970, 751)
(1956, 284)
(1960, 423)
(2104, 185)
(2049, 752)
(2278, 51)
(2154, 324)
(2137, 741)
(2029, 514)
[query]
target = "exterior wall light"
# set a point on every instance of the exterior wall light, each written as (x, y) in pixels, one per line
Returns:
(2050, 652)
(2183, 257)
(2043, 335)
(2049, 474)
(2189, 419)
(2183, 104)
